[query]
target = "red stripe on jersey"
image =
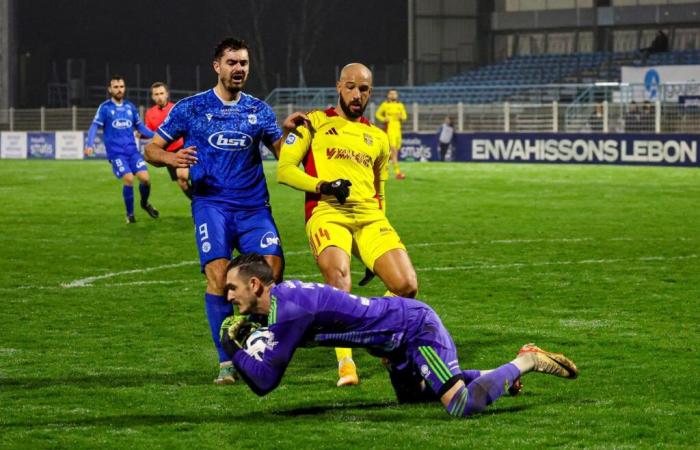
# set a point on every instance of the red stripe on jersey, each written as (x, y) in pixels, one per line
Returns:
(312, 198)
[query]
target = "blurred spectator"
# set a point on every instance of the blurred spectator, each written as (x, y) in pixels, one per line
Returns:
(633, 118)
(595, 120)
(647, 117)
(446, 136)
(658, 45)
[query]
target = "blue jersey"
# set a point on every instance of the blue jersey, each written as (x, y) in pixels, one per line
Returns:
(227, 136)
(118, 123)
(314, 313)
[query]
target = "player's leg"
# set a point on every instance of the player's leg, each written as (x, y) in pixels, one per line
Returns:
(464, 399)
(215, 247)
(381, 249)
(139, 167)
(331, 243)
(121, 170)
(395, 146)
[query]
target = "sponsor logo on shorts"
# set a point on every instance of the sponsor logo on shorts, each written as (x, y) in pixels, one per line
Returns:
(424, 370)
(231, 141)
(206, 247)
(252, 119)
(122, 124)
(290, 139)
(269, 239)
(141, 163)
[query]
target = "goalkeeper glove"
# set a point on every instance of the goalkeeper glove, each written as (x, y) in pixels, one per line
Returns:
(234, 331)
(339, 188)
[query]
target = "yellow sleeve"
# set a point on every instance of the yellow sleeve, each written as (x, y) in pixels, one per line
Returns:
(381, 172)
(404, 116)
(381, 113)
(292, 153)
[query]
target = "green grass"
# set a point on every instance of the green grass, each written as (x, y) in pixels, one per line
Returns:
(600, 262)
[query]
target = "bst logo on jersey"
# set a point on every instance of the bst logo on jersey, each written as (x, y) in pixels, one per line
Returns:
(122, 124)
(231, 141)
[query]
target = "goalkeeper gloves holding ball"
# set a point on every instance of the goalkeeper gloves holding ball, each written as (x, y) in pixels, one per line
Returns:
(233, 333)
(339, 188)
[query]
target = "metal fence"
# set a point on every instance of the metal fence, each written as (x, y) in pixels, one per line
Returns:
(606, 117)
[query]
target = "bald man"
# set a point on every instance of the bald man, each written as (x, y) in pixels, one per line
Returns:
(345, 161)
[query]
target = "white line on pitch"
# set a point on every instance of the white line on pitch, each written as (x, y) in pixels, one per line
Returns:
(88, 280)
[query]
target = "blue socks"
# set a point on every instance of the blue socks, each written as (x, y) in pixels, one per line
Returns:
(128, 194)
(145, 191)
(217, 310)
(483, 391)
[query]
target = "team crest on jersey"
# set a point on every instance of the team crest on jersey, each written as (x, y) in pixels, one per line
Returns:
(112, 111)
(128, 111)
(368, 139)
(252, 119)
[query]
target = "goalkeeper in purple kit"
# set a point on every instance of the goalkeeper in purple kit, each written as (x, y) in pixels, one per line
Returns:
(418, 351)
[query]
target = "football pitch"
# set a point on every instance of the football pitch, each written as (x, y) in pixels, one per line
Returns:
(104, 342)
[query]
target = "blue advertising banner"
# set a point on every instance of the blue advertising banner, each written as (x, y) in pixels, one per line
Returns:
(41, 145)
(594, 148)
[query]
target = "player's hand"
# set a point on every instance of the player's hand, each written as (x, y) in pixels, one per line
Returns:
(89, 151)
(230, 328)
(339, 188)
(294, 120)
(183, 158)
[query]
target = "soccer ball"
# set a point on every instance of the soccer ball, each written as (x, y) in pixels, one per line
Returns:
(257, 342)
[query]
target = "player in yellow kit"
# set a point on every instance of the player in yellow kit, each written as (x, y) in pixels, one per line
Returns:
(392, 112)
(345, 161)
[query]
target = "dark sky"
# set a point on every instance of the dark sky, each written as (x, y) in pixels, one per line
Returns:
(182, 34)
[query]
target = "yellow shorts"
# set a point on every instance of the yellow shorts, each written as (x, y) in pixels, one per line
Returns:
(394, 139)
(366, 234)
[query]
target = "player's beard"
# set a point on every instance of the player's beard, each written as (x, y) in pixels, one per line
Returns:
(234, 87)
(118, 96)
(349, 112)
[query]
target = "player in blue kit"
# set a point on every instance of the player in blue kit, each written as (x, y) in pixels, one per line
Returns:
(118, 118)
(419, 352)
(222, 130)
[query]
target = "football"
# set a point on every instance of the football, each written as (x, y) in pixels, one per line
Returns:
(257, 342)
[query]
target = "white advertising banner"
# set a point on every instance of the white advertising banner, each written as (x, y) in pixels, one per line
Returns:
(69, 145)
(679, 80)
(13, 145)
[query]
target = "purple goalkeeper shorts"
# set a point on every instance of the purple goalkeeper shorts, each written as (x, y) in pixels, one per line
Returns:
(432, 353)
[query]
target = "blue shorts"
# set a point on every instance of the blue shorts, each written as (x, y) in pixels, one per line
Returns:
(220, 228)
(431, 354)
(127, 163)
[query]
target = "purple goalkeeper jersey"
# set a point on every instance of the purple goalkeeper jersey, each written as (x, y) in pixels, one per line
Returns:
(318, 314)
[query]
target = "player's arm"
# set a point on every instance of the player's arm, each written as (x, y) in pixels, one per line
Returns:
(292, 121)
(97, 122)
(156, 154)
(292, 152)
(141, 128)
(404, 116)
(381, 173)
(381, 113)
(264, 376)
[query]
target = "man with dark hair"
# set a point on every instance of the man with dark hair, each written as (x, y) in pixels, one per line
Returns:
(118, 118)
(222, 130)
(419, 352)
(155, 115)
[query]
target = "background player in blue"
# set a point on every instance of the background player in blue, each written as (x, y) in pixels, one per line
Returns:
(118, 118)
(223, 128)
(420, 354)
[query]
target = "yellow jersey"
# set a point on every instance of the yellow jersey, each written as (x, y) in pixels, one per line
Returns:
(336, 148)
(392, 114)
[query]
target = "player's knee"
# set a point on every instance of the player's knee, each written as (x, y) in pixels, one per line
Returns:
(406, 286)
(338, 277)
(128, 179)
